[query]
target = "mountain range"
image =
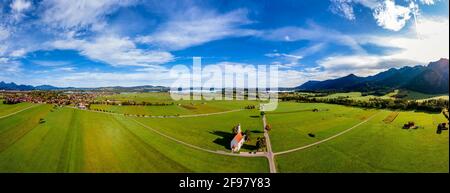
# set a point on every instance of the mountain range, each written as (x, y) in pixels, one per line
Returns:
(145, 88)
(432, 79)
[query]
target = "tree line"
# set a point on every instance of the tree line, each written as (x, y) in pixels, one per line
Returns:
(133, 103)
(432, 105)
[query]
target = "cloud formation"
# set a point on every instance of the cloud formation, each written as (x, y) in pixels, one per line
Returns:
(387, 13)
(391, 16)
(314, 33)
(81, 13)
(195, 27)
(115, 51)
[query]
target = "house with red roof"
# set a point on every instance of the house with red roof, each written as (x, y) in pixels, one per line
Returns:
(238, 140)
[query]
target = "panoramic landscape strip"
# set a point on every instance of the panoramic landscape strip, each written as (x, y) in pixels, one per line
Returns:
(242, 87)
(57, 138)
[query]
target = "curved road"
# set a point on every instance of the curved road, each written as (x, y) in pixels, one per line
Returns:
(269, 154)
(260, 154)
(326, 139)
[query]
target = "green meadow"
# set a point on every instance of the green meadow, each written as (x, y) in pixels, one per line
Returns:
(377, 146)
(182, 107)
(292, 122)
(72, 140)
(407, 94)
(212, 132)
(8, 109)
(45, 138)
(138, 97)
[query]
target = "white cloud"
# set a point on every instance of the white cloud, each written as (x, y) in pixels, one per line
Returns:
(100, 79)
(196, 27)
(80, 13)
(391, 16)
(20, 5)
(362, 65)
(313, 33)
(50, 63)
(65, 69)
(287, 60)
(386, 13)
(115, 51)
(427, 2)
(343, 8)
(9, 66)
(18, 53)
(4, 33)
(431, 45)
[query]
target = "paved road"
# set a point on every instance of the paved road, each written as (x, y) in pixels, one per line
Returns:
(4, 116)
(259, 154)
(208, 114)
(327, 139)
(269, 154)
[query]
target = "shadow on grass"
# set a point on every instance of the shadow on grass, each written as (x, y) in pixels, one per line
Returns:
(224, 138)
(249, 147)
(255, 116)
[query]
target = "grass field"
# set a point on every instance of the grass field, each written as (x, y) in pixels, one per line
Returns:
(412, 95)
(139, 97)
(181, 107)
(45, 138)
(212, 132)
(292, 122)
(409, 95)
(8, 109)
(79, 141)
(355, 96)
(378, 147)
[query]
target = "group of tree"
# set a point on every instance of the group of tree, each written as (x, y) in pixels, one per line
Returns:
(11, 101)
(101, 110)
(445, 113)
(133, 103)
(261, 143)
(248, 135)
(250, 107)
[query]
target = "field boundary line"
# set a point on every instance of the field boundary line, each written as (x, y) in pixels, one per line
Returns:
(208, 114)
(197, 147)
(326, 139)
(4, 116)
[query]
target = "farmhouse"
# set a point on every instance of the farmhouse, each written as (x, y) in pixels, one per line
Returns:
(81, 106)
(238, 140)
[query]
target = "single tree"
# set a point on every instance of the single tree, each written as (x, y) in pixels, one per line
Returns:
(261, 143)
(247, 135)
(268, 127)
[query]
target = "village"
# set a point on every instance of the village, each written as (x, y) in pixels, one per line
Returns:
(79, 99)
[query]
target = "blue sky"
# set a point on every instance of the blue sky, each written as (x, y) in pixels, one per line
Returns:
(89, 43)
